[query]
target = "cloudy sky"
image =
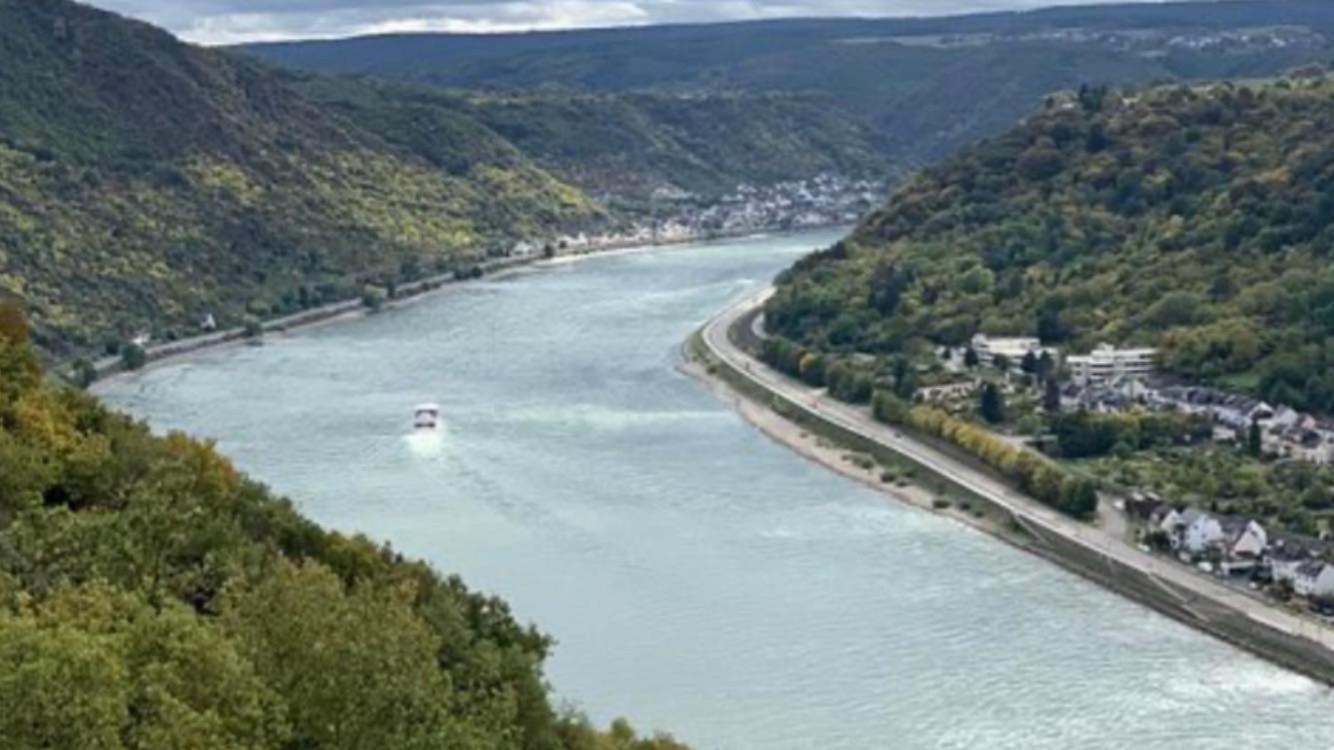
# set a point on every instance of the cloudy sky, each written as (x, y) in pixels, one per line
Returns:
(229, 21)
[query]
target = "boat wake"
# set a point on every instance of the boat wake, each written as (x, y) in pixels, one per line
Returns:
(426, 443)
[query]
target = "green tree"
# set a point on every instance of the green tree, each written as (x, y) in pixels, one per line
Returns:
(374, 297)
(357, 669)
(133, 357)
(1046, 368)
(1029, 364)
(60, 687)
(812, 370)
(1079, 498)
(991, 403)
(970, 358)
(905, 380)
(1255, 439)
(1051, 396)
(82, 373)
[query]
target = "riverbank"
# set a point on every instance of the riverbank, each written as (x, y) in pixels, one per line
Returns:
(792, 413)
(110, 367)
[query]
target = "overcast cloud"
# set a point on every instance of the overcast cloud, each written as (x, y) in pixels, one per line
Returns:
(232, 21)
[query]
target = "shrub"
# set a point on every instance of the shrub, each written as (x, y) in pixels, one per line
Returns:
(374, 297)
(83, 373)
(133, 357)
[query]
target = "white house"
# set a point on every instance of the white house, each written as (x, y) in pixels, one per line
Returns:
(1314, 579)
(1106, 363)
(1201, 533)
(1013, 348)
(1245, 543)
(1171, 519)
(1193, 531)
(1249, 542)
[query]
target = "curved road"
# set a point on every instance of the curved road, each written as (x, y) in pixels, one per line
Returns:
(1025, 510)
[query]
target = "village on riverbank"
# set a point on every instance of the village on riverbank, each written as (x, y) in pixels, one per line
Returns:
(1233, 486)
(963, 449)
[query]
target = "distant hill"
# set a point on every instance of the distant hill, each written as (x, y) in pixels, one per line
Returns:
(1199, 220)
(622, 146)
(926, 86)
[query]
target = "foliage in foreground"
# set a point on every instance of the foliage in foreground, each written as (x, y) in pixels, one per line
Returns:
(151, 596)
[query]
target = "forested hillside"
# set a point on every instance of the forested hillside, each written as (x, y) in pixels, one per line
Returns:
(925, 86)
(153, 597)
(1200, 220)
(144, 182)
(625, 146)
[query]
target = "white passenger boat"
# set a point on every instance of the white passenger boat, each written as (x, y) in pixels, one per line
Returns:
(426, 417)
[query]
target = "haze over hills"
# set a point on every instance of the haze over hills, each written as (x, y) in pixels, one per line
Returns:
(926, 86)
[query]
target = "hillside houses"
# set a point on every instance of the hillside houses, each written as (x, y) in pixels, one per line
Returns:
(1285, 432)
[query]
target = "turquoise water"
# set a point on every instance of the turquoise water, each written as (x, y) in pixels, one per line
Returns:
(699, 577)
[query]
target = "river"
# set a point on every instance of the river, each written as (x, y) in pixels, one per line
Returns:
(698, 577)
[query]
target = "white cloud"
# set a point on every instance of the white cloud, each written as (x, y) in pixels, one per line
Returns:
(234, 21)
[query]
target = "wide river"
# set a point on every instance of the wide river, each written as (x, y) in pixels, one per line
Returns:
(699, 577)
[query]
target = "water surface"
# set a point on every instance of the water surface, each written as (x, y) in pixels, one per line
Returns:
(697, 576)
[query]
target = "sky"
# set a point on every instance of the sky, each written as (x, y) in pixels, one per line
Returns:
(234, 21)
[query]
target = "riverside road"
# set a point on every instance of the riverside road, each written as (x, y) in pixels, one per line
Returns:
(1036, 518)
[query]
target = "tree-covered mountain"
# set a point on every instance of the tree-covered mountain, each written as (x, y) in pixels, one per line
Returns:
(1200, 220)
(144, 182)
(926, 86)
(622, 147)
(151, 596)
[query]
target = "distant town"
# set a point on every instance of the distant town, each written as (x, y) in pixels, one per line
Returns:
(679, 216)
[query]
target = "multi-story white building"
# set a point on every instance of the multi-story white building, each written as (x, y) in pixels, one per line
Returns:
(1013, 349)
(1107, 363)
